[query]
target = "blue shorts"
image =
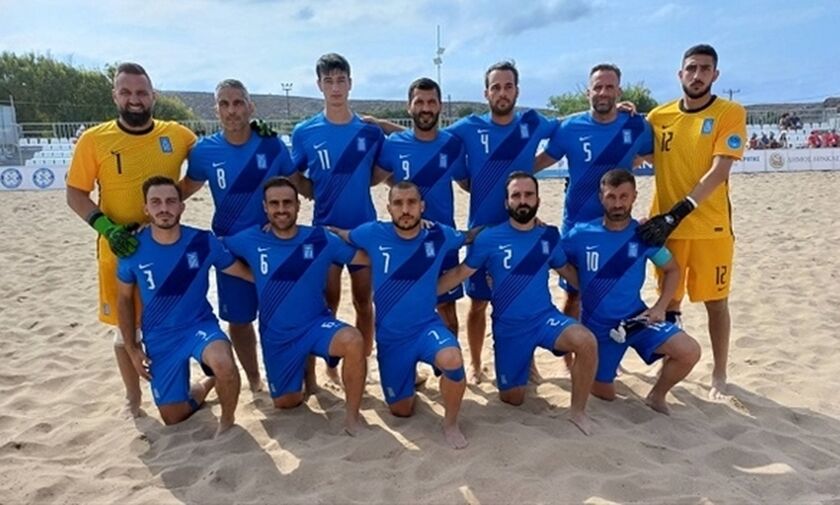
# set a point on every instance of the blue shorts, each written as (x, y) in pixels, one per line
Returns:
(170, 354)
(285, 355)
(450, 262)
(514, 350)
(645, 341)
(398, 358)
(237, 299)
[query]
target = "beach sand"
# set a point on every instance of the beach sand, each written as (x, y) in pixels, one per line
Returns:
(64, 439)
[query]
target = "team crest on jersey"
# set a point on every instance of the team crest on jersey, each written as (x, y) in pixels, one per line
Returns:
(430, 249)
(627, 136)
(708, 124)
(308, 252)
(633, 250)
(444, 160)
(524, 131)
(192, 260)
(545, 248)
(734, 141)
(361, 144)
(165, 145)
(262, 161)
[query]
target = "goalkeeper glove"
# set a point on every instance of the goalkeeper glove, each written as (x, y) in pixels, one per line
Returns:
(262, 128)
(120, 237)
(656, 230)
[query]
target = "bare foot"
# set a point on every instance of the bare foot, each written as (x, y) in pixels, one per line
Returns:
(133, 409)
(476, 375)
(581, 420)
(224, 426)
(454, 437)
(718, 389)
(534, 376)
(354, 425)
(657, 404)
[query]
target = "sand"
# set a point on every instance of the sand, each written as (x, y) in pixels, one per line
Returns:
(64, 439)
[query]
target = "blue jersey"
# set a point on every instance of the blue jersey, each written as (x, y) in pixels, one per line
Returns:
(172, 278)
(518, 262)
(591, 150)
(429, 165)
(405, 274)
(236, 174)
(339, 159)
(611, 268)
(290, 273)
(494, 152)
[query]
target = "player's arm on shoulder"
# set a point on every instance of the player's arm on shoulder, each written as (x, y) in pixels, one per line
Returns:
(380, 175)
(126, 317)
(453, 277)
(239, 269)
(388, 127)
(189, 186)
(569, 273)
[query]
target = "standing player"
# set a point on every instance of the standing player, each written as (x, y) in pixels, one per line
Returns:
(517, 255)
(428, 157)
(290, 264)
(236, 161)
(594, 142)
(170, 272)
(496, 144)
(610, 259)
(118, 156)
(697, 138)
(337, 150)
(406, 259)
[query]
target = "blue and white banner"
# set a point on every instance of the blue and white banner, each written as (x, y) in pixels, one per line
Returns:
(32, 178)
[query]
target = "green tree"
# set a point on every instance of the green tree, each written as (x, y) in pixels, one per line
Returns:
(173, 109)
(572, 102)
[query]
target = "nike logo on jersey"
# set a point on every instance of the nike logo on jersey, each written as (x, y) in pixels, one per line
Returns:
(320, 145)
(584, 139)
(404, 156)
(383, 248)
(143, 267)
(591, 247)
(263, 249)
(505, 246)
(217, 164)
(482, 130)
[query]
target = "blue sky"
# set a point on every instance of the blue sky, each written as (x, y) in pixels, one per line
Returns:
(772, 51)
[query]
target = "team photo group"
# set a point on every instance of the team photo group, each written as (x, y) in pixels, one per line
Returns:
(407, 272)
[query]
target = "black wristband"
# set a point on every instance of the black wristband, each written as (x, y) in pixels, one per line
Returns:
(93, 216)
(681, 209)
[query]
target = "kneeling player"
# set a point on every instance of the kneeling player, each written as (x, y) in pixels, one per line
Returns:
(517, 254)
(610, 259)
(170, 270)
(290, 265)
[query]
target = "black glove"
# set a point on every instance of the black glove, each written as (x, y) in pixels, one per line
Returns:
(656, 230)
(120, 237)
(262, 128)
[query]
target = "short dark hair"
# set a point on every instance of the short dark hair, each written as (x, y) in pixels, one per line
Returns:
(616, 177)
(331, 62)
(403, 185)
(701, 49)
(425, 84)
(520, 174)
(279, 182)
(606, 67)
(159, 180)
(133, 69)
(508, 65)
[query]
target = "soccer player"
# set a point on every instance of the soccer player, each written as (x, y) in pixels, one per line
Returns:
(236, 161)
(497, 144)
(697, 138)
(427, 157)
(517, 255)
(337, 150)
(290, 263)
(405, 259)
(594, 142)
(118, 156)
(610, 259)
(170, 270)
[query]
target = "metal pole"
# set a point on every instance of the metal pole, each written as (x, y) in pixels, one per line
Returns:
(287, 87)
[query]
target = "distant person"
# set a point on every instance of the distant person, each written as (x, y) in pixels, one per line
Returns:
(753, 141)
(814, 140)
(783, 141)
(170, 271)
(772, 142)
(116, 157)
(698, 138)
